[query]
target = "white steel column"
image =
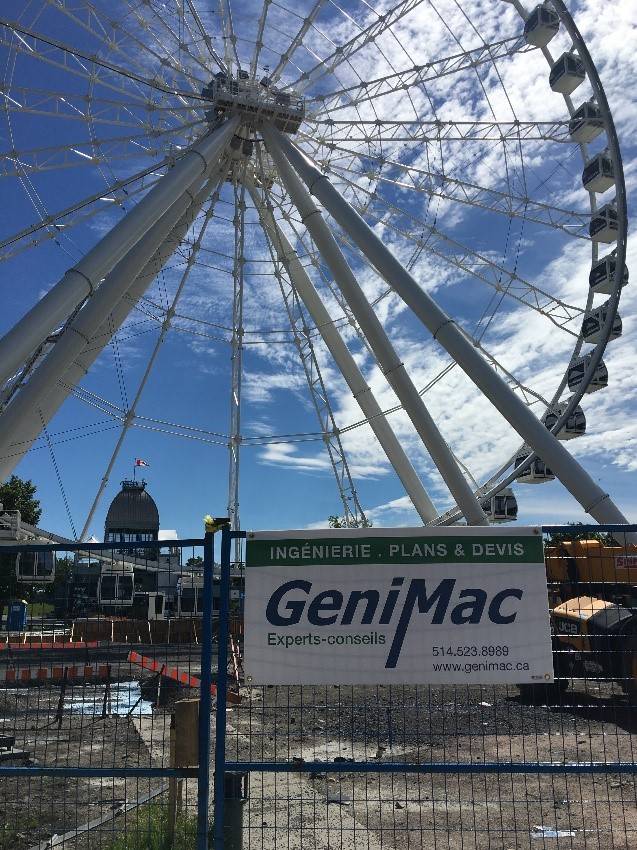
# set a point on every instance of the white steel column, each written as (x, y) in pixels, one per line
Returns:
(78, 333)
(63, 384)
(132, 410)
(84, 279)
(338, 349)
(390, 363)
(579, 483)
(236, 358)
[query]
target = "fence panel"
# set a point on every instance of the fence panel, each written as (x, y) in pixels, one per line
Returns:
(89, 693)
(95, 749)
(454, 767)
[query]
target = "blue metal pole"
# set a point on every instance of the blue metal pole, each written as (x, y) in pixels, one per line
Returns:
(222, 684)
(205, 701)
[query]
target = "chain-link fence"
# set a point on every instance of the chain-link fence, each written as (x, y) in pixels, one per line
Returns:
(98, 643)
(104, 741)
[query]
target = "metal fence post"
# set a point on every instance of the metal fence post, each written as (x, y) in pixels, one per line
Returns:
(205, 700)
(235, 794)
(222, 686)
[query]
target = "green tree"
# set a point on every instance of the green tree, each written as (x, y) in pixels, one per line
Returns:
(335, 521)
(194, 561)
(16, 494)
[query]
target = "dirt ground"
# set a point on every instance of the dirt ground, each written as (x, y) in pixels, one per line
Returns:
(454, 811)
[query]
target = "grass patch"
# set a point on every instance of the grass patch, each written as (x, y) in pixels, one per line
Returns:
(147, 829)
(39, 609)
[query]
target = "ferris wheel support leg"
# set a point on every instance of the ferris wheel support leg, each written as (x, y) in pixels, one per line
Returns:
(83, 279)
(390, 363)
(593, 499)
(130, 413)
(344, 360)
(14, 444)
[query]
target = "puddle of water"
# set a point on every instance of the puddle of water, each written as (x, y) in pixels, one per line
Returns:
(125, 697)
(549, 832)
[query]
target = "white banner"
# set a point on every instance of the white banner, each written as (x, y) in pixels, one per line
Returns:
(400, 606)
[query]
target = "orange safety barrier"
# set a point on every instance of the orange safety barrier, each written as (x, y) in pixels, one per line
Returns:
(173, 673)
(49, 645)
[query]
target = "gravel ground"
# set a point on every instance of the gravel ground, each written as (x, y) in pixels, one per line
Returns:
(347, 810)
(435, 725)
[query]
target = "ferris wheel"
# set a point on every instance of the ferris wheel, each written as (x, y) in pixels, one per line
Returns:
(373, 192)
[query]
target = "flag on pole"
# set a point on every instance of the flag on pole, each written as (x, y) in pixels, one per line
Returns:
(140, 462)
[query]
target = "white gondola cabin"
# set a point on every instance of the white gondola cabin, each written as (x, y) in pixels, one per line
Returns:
(501, 507)
(601, 278)
(599, 173)
(536, 473)
(541, 26)
(576, 370)
(35, 567)
(575, 425)
(604, 224)
(149, 606)
(116, 586)
(567, 73)
(586, 123)
(594, 321)
(190, 596)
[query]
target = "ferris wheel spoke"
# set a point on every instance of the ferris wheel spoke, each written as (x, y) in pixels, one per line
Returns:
(110, 42)
(229, 36)
(107, 196)
(439, 185)
(72, 54)
(473, 263)
(418, 131)
(364, 37)
(57, 107)
(353, 512)
(166, 56)
(297, 40)
(258, 44)
(56, 158)
(207, 40)
(400, 81)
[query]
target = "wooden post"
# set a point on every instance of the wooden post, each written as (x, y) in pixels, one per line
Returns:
(106, 705)
(172, 787)
(61, 700)
(184, 752)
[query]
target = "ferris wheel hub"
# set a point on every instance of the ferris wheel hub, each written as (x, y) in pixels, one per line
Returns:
(254, 102)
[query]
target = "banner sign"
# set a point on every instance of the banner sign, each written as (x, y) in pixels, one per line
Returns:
(401, 606)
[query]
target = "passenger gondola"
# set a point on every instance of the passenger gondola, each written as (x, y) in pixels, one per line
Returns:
(586, 123)
(575, 425)
(577, 369)
(601, 278)
(501, 507)
(536, 473)
(604, 224)
(116, 587)
(599, 173)
(35, 567)
(567, 73)
(593, 324)
(541, 25)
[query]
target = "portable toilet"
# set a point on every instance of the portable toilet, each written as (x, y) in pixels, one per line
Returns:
(17, 616)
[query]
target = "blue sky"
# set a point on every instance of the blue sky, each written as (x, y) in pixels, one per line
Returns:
(288, 482)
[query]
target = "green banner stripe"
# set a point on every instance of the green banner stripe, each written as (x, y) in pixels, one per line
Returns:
(295, 552)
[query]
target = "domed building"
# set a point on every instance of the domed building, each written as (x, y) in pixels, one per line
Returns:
(132, 516)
